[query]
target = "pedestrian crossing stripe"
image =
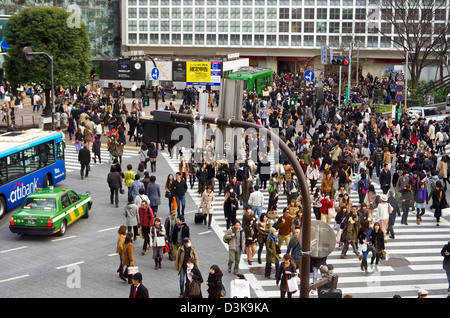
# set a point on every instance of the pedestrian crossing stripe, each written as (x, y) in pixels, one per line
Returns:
(71, 157)
(419, 245)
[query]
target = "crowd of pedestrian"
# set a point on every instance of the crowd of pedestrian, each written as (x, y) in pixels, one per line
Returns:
(397, 166)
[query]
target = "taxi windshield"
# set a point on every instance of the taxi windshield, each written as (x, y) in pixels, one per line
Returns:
(40, 203)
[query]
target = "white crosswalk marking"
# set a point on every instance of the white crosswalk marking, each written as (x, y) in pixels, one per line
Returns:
(71, 156)
(414, 259)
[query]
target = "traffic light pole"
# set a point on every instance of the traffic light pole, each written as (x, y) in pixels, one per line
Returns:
(28, 55)
(306, 199)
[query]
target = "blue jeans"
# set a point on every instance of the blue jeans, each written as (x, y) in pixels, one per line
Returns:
(378, 168)
(257, 210)
(182, 200)
(182, 279)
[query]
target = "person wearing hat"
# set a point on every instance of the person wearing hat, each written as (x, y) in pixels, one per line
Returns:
(137, 289)
(422, 293)
(384, 210)
(439, 201)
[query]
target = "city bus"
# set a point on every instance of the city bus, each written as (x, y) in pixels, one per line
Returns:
(256, 78)
(29, 160)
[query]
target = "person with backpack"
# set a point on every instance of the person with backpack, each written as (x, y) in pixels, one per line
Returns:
(363, 187)
(378, 159)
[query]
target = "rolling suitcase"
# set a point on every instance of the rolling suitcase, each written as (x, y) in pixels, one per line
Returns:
(198, 218)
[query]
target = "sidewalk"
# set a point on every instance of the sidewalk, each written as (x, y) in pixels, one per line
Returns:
(26, 118)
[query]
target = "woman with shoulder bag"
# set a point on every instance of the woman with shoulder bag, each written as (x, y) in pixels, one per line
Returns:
(285, 272)
(128, 256)
(157, 241)
(264, 226)
(194, 280)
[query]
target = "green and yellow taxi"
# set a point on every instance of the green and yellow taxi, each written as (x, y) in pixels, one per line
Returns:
(50, 211)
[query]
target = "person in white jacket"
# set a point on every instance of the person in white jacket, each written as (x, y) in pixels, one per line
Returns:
(313, 174)
(256, 200)
(382, 217)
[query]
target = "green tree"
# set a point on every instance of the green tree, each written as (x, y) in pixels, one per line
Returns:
(49, 30)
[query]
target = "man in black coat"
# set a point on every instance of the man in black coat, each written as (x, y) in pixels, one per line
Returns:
(385, 178)
(179, 190)
(114, 183)
(137, 289)
(84, 157)
(395, 210)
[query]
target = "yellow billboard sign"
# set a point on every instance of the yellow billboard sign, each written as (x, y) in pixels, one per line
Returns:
(198, 72)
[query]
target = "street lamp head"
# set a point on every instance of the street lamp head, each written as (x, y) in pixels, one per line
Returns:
(27, 53)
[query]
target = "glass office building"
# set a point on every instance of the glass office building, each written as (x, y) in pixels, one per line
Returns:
(284, 29)
(102, 18)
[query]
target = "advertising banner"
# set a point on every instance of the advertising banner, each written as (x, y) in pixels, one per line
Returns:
(203, 73)
(198, 73)
(179, 71)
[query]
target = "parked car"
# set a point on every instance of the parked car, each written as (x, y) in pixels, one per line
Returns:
(50, 211)
(429, 113)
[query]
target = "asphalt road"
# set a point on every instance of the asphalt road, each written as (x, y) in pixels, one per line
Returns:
(83, 262)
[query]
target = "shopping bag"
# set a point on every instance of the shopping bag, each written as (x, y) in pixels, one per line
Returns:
(445, 212)
(160, 241)
(174, 204)
(331, 212)
(292, 285)
(133, 270)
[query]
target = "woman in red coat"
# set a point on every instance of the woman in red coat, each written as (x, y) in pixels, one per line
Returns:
(146, 218)
(326, 204)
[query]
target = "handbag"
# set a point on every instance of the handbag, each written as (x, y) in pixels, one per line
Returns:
(194, 288)
(166, 248)
(272, 214)
(277, 248)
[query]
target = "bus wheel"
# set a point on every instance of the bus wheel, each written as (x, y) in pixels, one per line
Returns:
(2, 207)
(47, 182)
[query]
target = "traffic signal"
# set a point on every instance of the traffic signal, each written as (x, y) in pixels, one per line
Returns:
(341, 61)
(146, 101)
(293, 100)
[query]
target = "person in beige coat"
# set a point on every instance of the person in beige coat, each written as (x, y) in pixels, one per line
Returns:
(207, 205)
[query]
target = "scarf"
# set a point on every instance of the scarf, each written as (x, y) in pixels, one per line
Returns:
(273, 238)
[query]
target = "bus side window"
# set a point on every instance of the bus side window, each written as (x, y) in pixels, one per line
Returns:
(60, 150)
(3, 171)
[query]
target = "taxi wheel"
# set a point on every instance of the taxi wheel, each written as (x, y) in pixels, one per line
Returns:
(86, 213)
(62, 229)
